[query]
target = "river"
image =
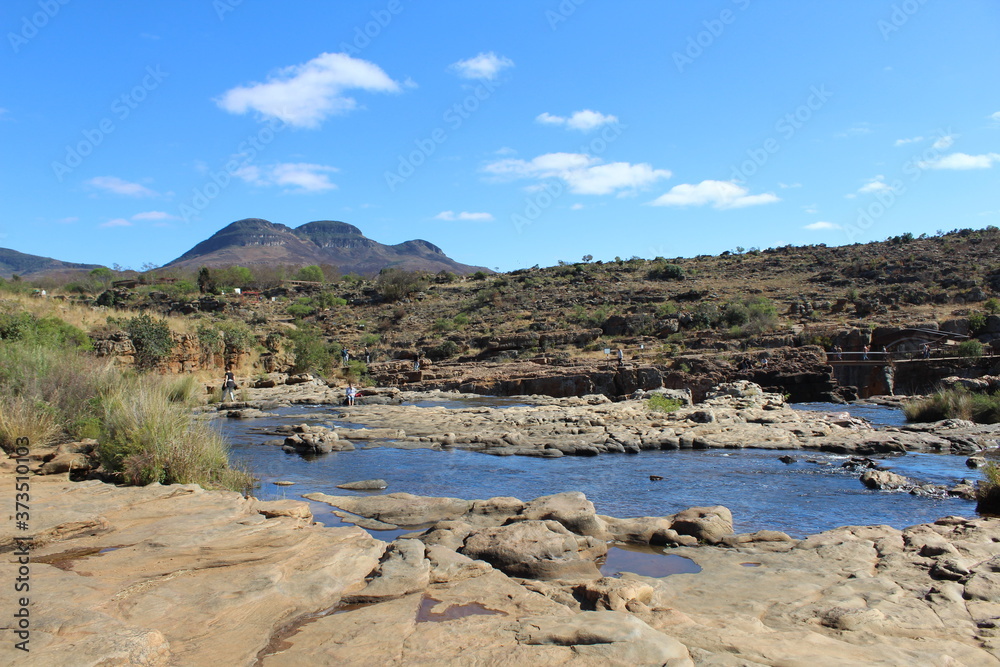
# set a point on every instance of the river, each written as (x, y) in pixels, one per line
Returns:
(810, 495)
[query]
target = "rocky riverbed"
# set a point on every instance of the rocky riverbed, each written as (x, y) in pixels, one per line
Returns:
(181, 576)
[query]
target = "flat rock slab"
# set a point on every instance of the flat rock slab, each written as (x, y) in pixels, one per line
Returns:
(365, 485)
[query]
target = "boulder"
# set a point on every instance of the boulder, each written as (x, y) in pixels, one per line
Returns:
(402, 570)
(707, 524)
(571, 509)
(606, 637)
(536, 550)
(883, 480)
(365, 485)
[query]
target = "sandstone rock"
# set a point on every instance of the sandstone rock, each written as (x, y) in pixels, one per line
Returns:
(571, 509)
(365, 485)
(536, 549)
(707, 524)
(403, 509)
(402, 570)
(606, 637)
(609, 593)
(883, 480)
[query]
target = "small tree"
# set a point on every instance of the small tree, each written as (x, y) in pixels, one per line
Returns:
(103, 275)
(311, 273)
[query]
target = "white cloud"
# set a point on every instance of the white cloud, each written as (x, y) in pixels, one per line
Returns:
(944, 143)
(821, 226)
(910, 140)
(995, 116)
(718, 194)
(116, 222)
(305, 95)
(576, 207)
(464, 216)
(67, 221)
(481, 66)
(585, 120)
(961, 161)
(119, 186)
(789, 185)
(855, 130)
(302, 177)
(811, 209)
(584, 174)
(152, 215)
(876, 184)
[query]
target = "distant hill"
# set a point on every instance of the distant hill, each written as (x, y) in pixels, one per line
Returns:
(256, 241)
(34, 266)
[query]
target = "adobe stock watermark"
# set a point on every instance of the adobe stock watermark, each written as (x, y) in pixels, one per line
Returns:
(546, 196)
(702, 41)
(901, 14)
(217, 181)
(120, 108)
(33, 24)
(889, 195)
(453, 117)
(562, 13)
(786, 126)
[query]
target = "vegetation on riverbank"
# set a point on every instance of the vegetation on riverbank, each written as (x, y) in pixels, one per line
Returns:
(52, 390)
(955, 404)
(988, 490)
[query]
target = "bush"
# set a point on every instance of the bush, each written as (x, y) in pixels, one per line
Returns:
(977, 323)
(446, 349)
(665, 271)
(396, 284)
(970, 348)
(992, 306)
(237, 336)
(660, 403)
(300, 310)
(151, 338)
(988, 490)
(50, 332)
(312, 353)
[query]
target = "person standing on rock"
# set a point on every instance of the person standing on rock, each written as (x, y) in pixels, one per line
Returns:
(345, 355)
(228, 385)
(621, 358)
(368, 356)
(864, 353)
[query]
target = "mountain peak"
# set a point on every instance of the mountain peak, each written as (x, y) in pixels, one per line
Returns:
(257, 241)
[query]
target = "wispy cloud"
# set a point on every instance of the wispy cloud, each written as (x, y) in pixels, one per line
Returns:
(305, 95)
(116, 222)
(481, 66)
(585, 120)
(583, 174)
(119, 186)
(152, 215)
(995, 116)
(944, 143)
(464, 216)
(822, 226)
(301, 177)
(785, 186)
(717, 194)
(69, 220)
(855, 130)
(909, 140)
(961, 161)
(876, 184)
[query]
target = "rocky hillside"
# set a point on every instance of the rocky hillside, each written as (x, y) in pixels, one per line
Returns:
(254, 242)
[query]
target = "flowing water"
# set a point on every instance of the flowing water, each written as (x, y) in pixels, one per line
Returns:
(810, 495)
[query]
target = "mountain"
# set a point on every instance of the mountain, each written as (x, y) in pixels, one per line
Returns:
(256, 241)
(33, 266)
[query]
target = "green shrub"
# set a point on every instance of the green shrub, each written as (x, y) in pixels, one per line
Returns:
(660, 403)
(446, 349)
(396, 284)
(150, 337)
(977, 323)
(666, 271)
(970, 348)
(312, 353)
(300, 310)
(50, 332)
(370, 339)
(988, 490)
(992, 306)
(237, 336)
(311, 273)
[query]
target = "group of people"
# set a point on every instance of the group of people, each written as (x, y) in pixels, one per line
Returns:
(345, 355)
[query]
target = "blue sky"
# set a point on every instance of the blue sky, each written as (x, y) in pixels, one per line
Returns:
(509, 134)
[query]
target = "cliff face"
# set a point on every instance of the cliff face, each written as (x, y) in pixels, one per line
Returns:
(254, 241)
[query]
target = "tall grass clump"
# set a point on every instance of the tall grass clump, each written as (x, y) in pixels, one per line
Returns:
(955, 404)
(988, 490)
(660, 403)
(150, 439)
(22, 417)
